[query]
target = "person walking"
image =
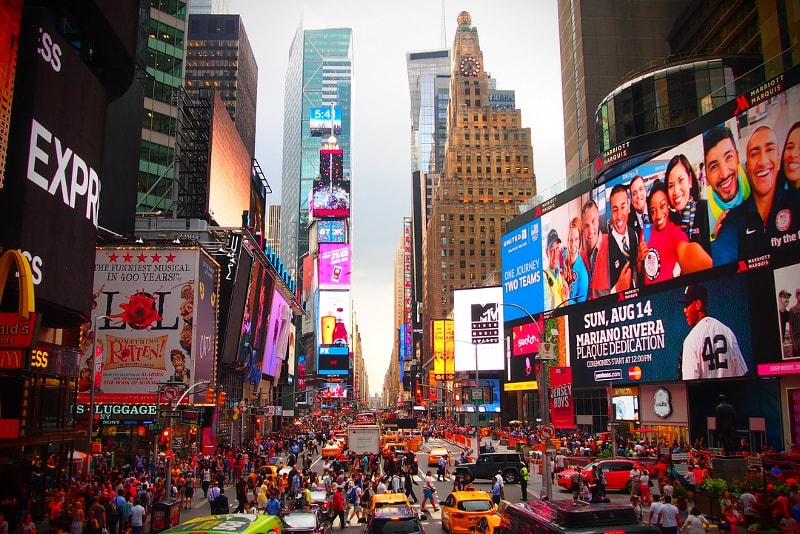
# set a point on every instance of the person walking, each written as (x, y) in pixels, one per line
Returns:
(339, 506)
(138, 515)
(213, 493)
(409, 485)
(427, 493)
(669, 518)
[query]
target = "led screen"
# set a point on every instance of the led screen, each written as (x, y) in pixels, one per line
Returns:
(280, 320)
(478, 320)
(334, 266)
(325, 121)
(333, 325)
(331, 165)
(330, 199)
(333, 360)
(650, 339)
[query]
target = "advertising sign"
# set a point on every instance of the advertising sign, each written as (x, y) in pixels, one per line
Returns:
(333, 327)
(147, 328)
(486, 393)
(787, 290)
(333, 390)
(52, 171)
(334, 266)
(333, 360)
(562, 405)
(331, 231)
(325, 121)
(280, 321)
(521, 257)
(309, 292)
(478, 321)
(524, 369)
(252, 340)
(331, 165)
(205, 321)
(701, 331)
(330, 199)
(525, 338)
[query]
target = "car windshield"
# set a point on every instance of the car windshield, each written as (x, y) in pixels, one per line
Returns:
(319, 495)
(395, 526)
(300, 520)
(480, 505)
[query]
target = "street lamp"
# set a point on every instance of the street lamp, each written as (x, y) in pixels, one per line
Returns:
(95, 369)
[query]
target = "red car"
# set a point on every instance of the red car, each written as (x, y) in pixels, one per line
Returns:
(617, 474)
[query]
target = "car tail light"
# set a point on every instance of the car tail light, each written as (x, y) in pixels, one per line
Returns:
(458, 515)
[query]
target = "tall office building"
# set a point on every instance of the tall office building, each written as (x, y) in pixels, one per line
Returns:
(487, 172)
(219, 56)
(318, 74)
(601, 42)
(161, 50)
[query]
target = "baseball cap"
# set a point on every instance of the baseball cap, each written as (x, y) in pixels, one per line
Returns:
(552, 237)
(784, 293)
(693, 293)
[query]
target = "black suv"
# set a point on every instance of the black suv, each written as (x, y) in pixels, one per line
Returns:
(488, 464)
(395, 520)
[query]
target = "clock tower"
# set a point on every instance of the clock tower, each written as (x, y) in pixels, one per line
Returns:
(469, 84)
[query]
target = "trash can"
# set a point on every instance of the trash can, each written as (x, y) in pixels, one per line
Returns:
(165, 514)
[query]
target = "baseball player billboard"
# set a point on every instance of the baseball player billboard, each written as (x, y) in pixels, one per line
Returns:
(694, 332)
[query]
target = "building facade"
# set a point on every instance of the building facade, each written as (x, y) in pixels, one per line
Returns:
(487, 172)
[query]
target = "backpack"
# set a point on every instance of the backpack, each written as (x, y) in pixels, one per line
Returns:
(351, 495)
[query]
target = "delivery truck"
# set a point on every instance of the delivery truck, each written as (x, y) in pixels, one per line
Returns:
(364, 439)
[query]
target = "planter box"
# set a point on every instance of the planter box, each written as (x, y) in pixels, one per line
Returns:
(708, 504)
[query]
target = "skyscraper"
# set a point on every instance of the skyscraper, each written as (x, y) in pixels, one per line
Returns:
(318, 74)
(487, 172)
(161, 50)
(219, 56)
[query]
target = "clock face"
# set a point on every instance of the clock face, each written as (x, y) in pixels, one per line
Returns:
(470, 66)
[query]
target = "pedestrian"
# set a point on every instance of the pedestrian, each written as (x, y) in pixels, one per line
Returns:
(427, 493)
(138, 515)
(220, 504)
(524, 474)
(188, 491)
(635, 476)
(213, 493)
(644, 487)
(409, 485)
(339, 506)
(637, 508)
(669, 517)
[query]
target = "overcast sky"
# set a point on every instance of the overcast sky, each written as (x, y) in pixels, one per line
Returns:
(519, 40)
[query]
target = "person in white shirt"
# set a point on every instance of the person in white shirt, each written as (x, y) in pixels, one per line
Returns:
(137, 518)
(655, 509)
(669, 517)
(636, 478)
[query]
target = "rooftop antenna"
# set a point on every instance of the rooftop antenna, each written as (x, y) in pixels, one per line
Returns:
(444, 28)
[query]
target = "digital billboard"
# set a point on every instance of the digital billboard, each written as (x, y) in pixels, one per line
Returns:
(325, 121)
(562, 401)
(787, 316)
(333, 326)
(701, 331)
(544, 262)
(155, 322)
(525, 338)
(333, 390)
(486, 396)
(279, 322)
(331, 165)
(523, 370)
(333, 360)
(478, 329)
(331, 231)
(330, 199)
(252, 340)
(309, 292)
(728, 195)
(334, 266)
(50, 197)
(234, 287)
(229, 169)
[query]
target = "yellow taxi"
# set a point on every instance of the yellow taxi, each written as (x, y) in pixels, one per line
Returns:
(381, 500)
(434, 455)
(462, 510)
(230, 524)
(488, 523)
(332, 449)
(388, 438)
(272, 472)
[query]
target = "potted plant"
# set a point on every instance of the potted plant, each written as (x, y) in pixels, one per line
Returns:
(708, 494)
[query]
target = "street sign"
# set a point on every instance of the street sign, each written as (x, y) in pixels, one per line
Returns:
(476, 395)
(169, 413)
(548, 431)
(680, 456)
(171, 393)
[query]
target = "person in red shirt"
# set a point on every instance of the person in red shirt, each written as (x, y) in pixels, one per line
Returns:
(339, 505)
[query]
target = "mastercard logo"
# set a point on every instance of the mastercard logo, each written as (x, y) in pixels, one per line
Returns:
(635, 373)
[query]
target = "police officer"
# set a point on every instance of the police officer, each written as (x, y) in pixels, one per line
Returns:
(524, 474)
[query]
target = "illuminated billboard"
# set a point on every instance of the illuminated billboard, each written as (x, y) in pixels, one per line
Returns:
(697, 332)
(333, 390)
(333, 326)
(252, 339)
(156, 322)
(229, 169)
(279, 323)
(544, 263)
(333, 360)
(478, 329)
(334, 265)
(330, 200)
(325, 121)
(331, 231)
(525, 338)
(443, 364)
(331, 165)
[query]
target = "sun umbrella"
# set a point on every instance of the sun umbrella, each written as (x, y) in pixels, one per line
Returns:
(515, 422)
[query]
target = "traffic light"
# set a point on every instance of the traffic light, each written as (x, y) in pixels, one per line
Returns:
(419, 396)
(165, 436)
(210, 396)
(258, 422)
(221, 398)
